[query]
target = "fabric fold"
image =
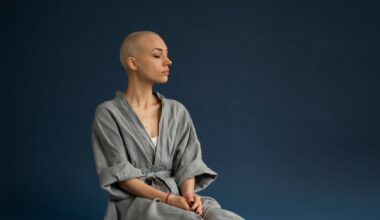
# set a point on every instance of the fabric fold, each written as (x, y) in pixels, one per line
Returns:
(188, 161)
(111, 158)
(109, 176)
(204, 176)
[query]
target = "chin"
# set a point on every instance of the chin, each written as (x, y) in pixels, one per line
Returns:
(165, 80)
(162, 81)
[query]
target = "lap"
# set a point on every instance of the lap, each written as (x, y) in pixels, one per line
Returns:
(147, 209)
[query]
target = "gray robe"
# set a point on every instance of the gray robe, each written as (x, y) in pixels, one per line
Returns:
(123, 150)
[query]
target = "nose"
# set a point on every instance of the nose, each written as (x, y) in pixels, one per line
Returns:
(168, 61)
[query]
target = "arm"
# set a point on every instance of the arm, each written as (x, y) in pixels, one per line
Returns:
(188, 162)
(187, 190)
(191, 173)
(188, 186)
(110, 155)
(139, 188)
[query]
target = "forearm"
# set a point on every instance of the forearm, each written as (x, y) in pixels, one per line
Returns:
(187, 185)
(139, 188)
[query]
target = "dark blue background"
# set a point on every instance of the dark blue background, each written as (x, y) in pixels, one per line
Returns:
(284, 96)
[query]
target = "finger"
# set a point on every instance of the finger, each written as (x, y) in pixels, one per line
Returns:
(199, 198)
(190, 203)
(185, 205)
(199, 210)
(197, 202)
(190, 199)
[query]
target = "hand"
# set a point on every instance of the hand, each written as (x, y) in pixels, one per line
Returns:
(194, 202)
(178, 201)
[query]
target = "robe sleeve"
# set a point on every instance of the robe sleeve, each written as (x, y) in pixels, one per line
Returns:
(110, 155)
(188, 160)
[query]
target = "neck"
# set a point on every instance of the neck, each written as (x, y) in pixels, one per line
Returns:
(140, 95)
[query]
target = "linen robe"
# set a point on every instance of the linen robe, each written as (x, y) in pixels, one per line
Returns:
(123, 150)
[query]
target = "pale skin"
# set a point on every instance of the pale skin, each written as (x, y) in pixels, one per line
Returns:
(144, 56)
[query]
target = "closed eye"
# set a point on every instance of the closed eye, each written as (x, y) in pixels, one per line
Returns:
(157, 56)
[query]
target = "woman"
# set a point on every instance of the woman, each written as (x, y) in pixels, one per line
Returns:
(148, 157)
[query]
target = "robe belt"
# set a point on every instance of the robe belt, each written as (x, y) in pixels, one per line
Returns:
(153, 173)
(157, 172)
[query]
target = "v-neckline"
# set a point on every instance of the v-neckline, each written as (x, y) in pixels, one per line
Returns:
(141, 126)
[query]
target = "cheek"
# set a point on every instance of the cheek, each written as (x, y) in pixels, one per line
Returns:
(150, 64)
(151, 69)
(153, 66)
(144, 66)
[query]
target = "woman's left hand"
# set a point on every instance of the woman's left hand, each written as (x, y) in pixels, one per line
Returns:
(194, 202)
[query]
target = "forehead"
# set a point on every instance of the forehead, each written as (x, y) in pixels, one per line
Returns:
(153, 43)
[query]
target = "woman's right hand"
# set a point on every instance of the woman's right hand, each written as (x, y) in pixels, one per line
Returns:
(178, 201)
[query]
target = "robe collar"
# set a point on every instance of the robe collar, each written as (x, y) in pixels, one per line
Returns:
(154, 150)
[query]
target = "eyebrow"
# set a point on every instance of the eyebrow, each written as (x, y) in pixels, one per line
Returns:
(160, 49)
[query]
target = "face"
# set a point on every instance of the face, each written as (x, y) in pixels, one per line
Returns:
(152, 62)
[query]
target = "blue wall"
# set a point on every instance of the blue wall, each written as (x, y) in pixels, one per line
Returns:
(284, 96)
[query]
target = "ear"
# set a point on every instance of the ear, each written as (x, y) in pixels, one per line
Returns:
(131, 63)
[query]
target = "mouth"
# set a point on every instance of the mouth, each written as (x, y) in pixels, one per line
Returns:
(166, 72)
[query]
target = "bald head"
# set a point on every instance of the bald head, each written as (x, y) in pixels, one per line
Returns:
(133, 44)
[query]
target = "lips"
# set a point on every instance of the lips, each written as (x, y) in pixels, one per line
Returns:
(166, 71)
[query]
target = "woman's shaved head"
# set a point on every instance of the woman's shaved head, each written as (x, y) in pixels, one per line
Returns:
(133, 44)
(144, 56)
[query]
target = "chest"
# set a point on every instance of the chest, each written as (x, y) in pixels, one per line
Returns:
(150, 119)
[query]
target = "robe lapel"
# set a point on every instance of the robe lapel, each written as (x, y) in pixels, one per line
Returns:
(161, 130)
(153, 152)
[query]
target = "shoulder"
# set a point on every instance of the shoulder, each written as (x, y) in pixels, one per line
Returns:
(175, 104)
(107, 108)
(177, 107)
